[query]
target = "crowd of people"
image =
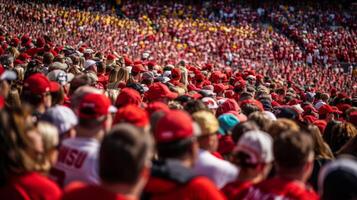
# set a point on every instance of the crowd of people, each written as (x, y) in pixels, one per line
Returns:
(174, 101)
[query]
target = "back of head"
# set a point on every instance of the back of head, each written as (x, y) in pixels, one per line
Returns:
(338, 179)
(340, 135)
(124, 153)
(292, 150)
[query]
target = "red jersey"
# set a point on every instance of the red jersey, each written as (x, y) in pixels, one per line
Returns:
(30, 186)
(237, 189)
(278, 188)
(78, 190)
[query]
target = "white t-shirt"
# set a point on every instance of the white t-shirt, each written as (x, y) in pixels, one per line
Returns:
(77, 161)
(219, 171)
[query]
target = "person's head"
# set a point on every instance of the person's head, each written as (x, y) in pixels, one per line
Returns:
(50, 140)
(123, 75)
(37, 91)
(78, 95)
(21, 145)
(134, 115)
(193, 106)
(254, 155)
(321, 149)
(261, 119)
(281, 125)
(124, 158)
(349, 148)
(339, 135)
(63, 118)
(175, 137)
(79, 81)
(95, 113)
(209, 125)
(294, 155)
(226, 123)
(128, 96)
(338, 179)
(242, 128)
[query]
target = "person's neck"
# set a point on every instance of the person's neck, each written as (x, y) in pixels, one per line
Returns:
(129, 191)
(83, 132)
(294, 176)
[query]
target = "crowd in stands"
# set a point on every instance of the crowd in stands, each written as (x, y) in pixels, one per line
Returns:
(174, 101)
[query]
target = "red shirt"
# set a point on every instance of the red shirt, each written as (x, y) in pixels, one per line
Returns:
(237, 189)
(30, 186)
(196, 189)
(278, 188)
(78, 190)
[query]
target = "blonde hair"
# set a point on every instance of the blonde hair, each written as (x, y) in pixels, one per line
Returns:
(207, 121)
(50, 140)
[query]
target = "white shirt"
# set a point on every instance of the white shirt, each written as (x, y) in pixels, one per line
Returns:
(219, 171)
(77, 161)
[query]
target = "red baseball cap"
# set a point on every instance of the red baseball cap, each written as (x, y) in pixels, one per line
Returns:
(111, 57)
(321, 124)
(159, 90)
(94, 106)
(39, 84)
(138, 68)
(132, 114)
(173, 126)
(325, 109)
(2, 102)
(128, 96)
(157, 106)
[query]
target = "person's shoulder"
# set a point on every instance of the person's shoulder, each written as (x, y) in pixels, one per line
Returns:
(79, 190)
(35, 184)
(202, 186)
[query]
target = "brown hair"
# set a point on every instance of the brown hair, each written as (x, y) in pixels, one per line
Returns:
(15, 145)
(339, 135)
(124, 152)
(261, 120)
(281, 125)
(349, 148)
(242, 128)
(292, 149)
(321, 149)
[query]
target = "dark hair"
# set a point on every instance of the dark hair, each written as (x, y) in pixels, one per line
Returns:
(292, 149)
(79, 81)
(176, 149)
(124, 152)
(193, 106)
(339, 135)
(248, 108)
(30, 98)
(58, 96)
(242, 128)
(349, 148)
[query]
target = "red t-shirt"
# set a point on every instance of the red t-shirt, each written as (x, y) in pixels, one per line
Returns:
(78, 190)
(30, 186)
(278, 188)
(237, 189)
(196, 189)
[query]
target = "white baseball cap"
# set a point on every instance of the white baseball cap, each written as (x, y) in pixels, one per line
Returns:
(60, 116)
(258, 145)
(210, 102)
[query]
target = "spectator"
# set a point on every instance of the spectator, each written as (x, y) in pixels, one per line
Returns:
(21, 148)
(339, 135)
(292, 171)
(172, 176)
(338, 179)
(123, 144)
(219, 171)
(77, 159)
(253, 155)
